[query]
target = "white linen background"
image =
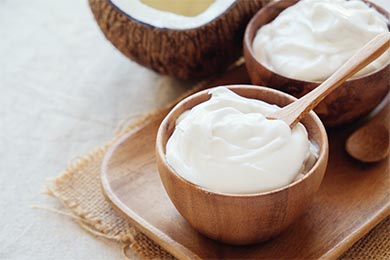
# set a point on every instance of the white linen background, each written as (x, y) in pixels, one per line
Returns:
(63, 91)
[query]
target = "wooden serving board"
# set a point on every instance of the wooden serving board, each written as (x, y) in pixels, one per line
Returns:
(352, 199)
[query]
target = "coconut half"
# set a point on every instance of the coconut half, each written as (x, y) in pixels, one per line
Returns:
(183, 38)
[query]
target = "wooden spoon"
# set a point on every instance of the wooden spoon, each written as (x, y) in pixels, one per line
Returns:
(370, 143)
(295, 111)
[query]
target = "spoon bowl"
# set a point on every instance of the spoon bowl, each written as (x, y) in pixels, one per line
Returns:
(370, 143)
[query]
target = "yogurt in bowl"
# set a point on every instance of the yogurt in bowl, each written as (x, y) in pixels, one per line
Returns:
(227, 145)
(302, 47)
(311, 39)
(220, 206)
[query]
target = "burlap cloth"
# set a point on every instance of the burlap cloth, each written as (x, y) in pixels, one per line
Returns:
(78, 190)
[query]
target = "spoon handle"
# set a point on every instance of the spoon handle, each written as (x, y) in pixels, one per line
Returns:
(295, 111)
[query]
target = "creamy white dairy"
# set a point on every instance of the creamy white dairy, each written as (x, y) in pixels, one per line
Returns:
(227, 145)
(313, 38)
(163, 19)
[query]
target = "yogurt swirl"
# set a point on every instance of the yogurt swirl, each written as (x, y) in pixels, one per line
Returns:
(227, 145)
(313, 38)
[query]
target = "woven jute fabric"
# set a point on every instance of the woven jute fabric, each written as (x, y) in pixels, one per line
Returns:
(78, 189)
(375, 245)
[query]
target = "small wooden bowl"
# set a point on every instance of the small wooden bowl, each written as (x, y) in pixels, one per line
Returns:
(356, 98)
(241, 218)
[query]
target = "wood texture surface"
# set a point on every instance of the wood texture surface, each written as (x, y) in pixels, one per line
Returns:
(193, 53)
(352, 199)
(354, 99)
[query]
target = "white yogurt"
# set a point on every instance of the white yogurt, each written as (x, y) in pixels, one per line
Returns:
(313, 38)
(227, 145)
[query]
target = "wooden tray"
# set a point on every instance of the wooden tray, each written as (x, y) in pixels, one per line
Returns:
(352, 199)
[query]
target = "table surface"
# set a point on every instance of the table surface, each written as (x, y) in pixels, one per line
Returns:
(64, 91)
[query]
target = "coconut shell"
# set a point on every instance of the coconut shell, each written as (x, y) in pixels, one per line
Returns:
(187, 54)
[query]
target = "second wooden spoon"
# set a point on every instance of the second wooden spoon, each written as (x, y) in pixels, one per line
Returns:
(295, 111)
(370, 143)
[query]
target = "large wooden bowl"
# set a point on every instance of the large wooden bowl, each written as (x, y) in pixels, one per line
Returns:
(356, 98)
(248, 218)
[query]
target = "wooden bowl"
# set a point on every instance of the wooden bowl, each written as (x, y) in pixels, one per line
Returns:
(241, 218)
(356, 98)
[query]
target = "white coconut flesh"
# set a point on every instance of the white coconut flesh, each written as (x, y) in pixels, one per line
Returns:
(173, 14)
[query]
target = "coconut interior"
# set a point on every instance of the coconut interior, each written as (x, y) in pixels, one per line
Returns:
(181, 7)
(173, 14)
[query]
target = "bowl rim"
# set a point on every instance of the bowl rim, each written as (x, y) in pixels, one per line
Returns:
(160, 147)
(247, 43)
